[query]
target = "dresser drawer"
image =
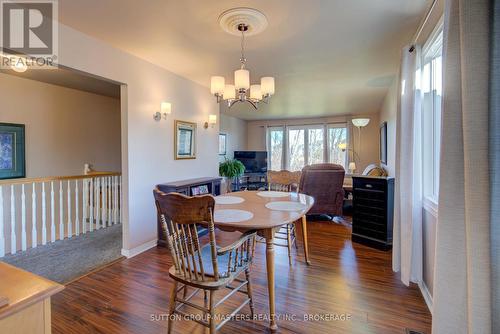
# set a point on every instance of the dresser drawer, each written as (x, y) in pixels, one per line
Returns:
(370, 184)
(369, 194)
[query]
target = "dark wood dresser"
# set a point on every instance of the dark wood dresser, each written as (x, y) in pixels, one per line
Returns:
(373, 211)
(189, 187)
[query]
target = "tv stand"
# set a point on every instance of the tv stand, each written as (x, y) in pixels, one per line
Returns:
(251, 181)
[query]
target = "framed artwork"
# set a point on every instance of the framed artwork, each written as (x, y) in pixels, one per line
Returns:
(222, 143)
(12, 151)
(383, 143)
(185, 140)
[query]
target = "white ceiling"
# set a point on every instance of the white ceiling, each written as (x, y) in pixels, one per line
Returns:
(329, 57)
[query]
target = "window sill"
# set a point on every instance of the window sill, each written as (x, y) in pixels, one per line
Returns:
(430, 205)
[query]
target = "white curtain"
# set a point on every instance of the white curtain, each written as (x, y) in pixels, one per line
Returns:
(407, 233)
(462, 275)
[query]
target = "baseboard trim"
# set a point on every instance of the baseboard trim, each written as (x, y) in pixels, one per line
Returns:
(427, 295)
(128, 253)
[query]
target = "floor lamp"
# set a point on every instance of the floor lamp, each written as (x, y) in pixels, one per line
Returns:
(359, 123)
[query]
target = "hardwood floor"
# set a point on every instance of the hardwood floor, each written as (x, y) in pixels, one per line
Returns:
(344, 279)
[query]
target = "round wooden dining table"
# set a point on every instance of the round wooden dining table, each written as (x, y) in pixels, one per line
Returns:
(266, 212)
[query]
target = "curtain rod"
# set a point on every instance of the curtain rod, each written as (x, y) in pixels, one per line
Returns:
(422, 25)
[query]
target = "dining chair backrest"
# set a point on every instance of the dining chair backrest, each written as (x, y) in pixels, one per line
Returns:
(179, 215)
(283, 180)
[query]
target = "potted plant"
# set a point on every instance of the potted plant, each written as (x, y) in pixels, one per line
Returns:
(231, 169)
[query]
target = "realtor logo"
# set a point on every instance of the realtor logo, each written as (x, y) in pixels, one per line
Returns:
(29, 30)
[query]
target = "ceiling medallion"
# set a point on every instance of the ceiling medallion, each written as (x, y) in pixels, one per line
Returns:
(244, 22)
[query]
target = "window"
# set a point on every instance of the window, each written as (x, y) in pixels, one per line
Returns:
(431, 75)
(296, 148)
(316, 145)
(275, 147)
(293, 147)
(337, 135)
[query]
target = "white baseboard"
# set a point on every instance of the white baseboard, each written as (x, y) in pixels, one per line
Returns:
(139, 249)
(427, 295)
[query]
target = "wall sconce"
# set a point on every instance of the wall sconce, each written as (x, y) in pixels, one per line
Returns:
(165, 110)
(212, 120)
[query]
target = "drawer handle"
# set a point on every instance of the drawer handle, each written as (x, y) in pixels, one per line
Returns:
(369, 186)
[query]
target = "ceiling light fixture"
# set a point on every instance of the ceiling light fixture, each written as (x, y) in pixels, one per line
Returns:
(250, 21)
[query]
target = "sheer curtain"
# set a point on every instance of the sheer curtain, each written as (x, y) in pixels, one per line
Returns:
(407, 234)
(462, 276)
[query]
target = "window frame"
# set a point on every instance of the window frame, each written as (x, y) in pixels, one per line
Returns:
(285, 161)
(432, 49)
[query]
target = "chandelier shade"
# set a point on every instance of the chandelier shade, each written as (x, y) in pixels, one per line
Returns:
(217, 85)
(255, 92)
(229, 92)
(241, 79)
(267, 85)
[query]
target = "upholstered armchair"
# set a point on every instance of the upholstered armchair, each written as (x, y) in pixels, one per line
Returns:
(324, 182)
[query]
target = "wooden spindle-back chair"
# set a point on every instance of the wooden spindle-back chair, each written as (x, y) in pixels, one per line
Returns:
(208, 268)
(288, 181)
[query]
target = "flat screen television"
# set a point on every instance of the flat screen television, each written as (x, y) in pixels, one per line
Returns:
(254, 161)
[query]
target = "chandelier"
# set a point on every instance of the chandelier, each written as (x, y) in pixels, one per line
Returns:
(242, 91)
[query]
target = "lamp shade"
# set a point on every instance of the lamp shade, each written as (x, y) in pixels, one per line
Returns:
(343, 146)
(217, 85)
(255, 92)
(267, 85)
(360, 122)
(212, 119)
(352, 166)
(165, 108)
(242, 79)
(229, 92)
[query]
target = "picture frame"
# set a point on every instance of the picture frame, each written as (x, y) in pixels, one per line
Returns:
(383, 143)
(184, 140)
(12, 151)
(222, 144)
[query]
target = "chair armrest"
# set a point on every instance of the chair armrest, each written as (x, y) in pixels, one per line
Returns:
(244, 237)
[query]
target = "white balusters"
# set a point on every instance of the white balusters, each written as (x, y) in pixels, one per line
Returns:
(70, 227)
(44, 216)
(24, 245)
(104, 198)
(34, 232)
(110, 200)
(2, 235)
(77, 219)
(91, 209)
(115, 199)
(52, 214)
(85, 188)
(97, 188)
(13, 237)
(61, 211)
(87, 204)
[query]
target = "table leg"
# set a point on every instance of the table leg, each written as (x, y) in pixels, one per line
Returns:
(304, 237)
(269, 235)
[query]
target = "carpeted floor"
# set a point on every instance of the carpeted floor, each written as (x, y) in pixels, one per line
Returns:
(65, 260)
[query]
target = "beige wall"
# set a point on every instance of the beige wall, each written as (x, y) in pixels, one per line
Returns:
(65, 128)
(368, 154)
(388, 114)
(236, 135)
(147, 146)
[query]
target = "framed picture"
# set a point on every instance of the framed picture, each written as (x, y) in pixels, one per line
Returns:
(222, 143)
(383, 143)
(12, 151)
(185, 140)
